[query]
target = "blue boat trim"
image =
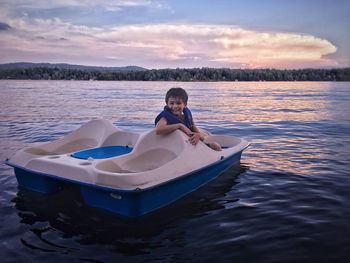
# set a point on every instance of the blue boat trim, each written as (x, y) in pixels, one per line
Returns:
(102, 152)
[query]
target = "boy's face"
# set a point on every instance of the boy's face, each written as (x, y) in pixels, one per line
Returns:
(176, 105)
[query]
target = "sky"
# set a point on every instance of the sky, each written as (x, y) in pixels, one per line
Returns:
(283, 34)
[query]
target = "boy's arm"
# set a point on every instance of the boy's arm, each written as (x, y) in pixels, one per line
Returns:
(196, 135)
(162, 128)
(196, 130)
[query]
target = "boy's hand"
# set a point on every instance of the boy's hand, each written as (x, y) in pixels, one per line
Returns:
(186, 130)
(194, 138)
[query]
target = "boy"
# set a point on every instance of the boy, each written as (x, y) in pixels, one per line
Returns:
(176, 116)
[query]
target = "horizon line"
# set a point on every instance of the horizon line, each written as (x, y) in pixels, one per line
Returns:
(98, 66)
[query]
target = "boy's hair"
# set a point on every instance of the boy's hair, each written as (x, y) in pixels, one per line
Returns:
(176, 93)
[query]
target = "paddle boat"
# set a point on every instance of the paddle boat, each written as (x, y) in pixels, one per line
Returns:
(122, 172)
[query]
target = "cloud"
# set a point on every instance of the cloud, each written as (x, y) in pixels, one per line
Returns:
(161, 45)
(264, 49)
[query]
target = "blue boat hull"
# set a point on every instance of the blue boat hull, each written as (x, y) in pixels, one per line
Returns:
(128, 203)
(38, 182)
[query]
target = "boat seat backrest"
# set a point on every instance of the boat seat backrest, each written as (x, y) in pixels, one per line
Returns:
(173, 142)
(87, 136)
(121, 138)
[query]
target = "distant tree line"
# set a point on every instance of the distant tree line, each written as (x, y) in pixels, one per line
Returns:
(179, 74)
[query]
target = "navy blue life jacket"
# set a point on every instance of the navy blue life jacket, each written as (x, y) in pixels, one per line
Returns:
(172, 119)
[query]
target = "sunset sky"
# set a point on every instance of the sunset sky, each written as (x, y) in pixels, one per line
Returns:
(177, 33)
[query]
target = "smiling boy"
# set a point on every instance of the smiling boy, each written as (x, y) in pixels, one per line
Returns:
(176, 116)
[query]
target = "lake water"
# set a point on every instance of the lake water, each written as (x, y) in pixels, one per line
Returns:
(288, 200)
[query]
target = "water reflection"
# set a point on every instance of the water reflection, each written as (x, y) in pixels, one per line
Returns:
(263, 102)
